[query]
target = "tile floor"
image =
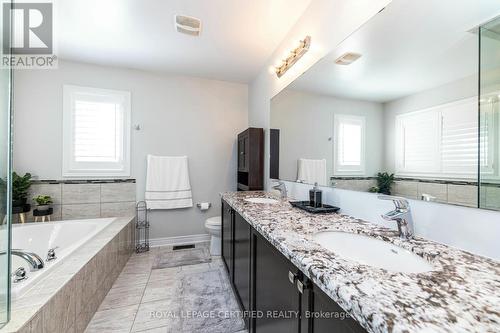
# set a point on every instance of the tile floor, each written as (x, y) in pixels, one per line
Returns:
(190, 298)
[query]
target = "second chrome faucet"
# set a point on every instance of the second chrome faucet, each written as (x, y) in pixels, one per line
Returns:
(401, 215)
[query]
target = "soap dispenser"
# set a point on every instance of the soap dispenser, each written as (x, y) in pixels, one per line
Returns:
(315, 196)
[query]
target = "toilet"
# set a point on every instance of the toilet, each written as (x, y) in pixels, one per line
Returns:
(213, 226)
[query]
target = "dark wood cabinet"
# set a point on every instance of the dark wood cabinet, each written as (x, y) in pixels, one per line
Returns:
(242, 261)
(268, 285)
(275, 292)
(251, 159)
(227, 235)
(274, 153)
(324, 315)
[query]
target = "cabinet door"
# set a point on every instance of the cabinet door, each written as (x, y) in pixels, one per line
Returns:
(243, 152)
(273, 292)
(227, 237)
(327, 316)
(242, 261)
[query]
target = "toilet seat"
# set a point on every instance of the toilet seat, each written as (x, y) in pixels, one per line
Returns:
(213, 222)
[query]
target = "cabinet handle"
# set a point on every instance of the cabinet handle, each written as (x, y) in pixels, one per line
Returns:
(300, 287)
(291, 277)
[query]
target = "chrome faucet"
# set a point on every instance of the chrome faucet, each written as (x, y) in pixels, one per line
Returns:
(51, 254)
(282, 188)
(33, 259)
(402, 216)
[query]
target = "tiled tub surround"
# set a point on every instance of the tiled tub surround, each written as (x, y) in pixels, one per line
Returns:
(87, 199)
(461, 295)
(66, 299)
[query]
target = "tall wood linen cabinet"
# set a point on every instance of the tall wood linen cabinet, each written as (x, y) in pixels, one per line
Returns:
(251, 160)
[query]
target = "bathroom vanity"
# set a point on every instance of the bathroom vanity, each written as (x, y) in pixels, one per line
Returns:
(265, 281)
(288, 282)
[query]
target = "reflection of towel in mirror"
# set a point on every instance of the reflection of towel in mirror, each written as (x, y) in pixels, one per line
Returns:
(167, 183)
(311, 171)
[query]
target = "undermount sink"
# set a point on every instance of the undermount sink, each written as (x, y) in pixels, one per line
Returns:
(372, 252)
(262, 200)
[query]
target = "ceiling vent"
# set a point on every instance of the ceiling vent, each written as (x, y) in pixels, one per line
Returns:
(187, 25)
(347, 58)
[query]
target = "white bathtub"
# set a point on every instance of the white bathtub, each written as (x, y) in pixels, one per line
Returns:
(39, 237)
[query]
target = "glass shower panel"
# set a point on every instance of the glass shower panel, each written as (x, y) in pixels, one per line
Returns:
(489, 112)
(5, 177)
(4, 196)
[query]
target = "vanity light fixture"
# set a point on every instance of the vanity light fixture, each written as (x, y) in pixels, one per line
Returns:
(294, 56)
(347, 58)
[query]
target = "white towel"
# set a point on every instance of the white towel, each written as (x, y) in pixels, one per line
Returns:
(167, 183)
(311, 171)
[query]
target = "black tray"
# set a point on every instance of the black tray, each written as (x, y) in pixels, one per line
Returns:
(304, 205)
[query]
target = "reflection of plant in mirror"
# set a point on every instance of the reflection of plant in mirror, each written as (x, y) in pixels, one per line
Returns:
(43, 200)
(384, 183)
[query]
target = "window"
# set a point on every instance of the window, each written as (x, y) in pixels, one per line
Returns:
(349, 145)
(96, 132)
(441, 141)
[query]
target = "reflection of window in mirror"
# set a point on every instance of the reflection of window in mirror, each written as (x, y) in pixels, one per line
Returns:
(489, 150)
(349, 145)
(439, 142)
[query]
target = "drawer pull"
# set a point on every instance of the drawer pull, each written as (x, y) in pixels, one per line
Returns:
(291, 277)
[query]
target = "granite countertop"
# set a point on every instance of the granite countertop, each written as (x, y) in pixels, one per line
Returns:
(461, 295)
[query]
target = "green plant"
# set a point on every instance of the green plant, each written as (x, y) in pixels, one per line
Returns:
(42, 200)
(384, 182)
(20, 186)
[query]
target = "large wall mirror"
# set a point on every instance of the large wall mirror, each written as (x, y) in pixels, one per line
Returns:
(407, 105)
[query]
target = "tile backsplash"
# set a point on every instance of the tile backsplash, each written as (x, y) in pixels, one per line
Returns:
(86, 199)
(456, 193)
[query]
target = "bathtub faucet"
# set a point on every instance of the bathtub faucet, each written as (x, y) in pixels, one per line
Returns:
(33, 259)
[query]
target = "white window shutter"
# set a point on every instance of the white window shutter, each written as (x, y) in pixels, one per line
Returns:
(96, 138)
(418, 135)
(460, 137)
(349, 145)
(439, 142)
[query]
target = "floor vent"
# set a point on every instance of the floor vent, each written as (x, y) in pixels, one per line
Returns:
(183, 247)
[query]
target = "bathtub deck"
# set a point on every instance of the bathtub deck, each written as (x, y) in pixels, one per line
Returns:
(67, 297)
(144, 299)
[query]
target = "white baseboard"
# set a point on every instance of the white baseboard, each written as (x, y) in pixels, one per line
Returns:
(179, 240)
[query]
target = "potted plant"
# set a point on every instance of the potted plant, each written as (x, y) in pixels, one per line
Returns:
(20, 187)
(43, 202)
(384, 183)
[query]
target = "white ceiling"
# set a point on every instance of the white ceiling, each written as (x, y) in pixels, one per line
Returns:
(410, 47)
(237, 38)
